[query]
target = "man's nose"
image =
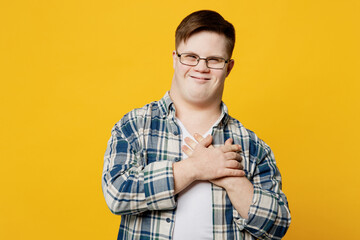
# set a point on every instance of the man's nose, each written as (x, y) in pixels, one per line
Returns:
(202, 65)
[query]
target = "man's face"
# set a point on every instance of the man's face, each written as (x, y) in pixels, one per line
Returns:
(199, 84)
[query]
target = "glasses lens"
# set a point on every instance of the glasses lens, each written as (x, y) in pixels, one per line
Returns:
(189, 59)
(216, 63)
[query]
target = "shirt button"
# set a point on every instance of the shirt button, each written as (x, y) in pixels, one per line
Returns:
(168, 220)
(176, 133)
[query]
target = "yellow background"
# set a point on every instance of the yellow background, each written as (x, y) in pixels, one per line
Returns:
(70, 70)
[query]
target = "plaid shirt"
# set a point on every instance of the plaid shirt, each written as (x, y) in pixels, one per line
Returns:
(138, 182)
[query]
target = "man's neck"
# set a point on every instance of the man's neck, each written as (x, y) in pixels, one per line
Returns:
(197, 118)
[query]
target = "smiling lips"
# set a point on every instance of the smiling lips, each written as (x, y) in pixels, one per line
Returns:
(200, 78)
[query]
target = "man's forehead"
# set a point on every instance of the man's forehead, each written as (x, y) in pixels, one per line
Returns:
(205, 42)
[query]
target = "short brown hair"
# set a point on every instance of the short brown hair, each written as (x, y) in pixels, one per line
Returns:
(205, 20)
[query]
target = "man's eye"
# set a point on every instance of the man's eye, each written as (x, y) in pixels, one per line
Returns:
(191, 57)
(215, 60)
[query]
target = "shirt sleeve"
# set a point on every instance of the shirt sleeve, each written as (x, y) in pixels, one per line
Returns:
(130, 186)
(269, 215)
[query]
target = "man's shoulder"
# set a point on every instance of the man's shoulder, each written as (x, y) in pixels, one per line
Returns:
(245, 133)
(150, 110)
(236, 124)
(255, 146)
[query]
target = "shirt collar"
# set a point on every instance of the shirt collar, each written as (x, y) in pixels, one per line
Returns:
(166, 106)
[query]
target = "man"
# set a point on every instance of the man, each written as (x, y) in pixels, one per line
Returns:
(181, 167)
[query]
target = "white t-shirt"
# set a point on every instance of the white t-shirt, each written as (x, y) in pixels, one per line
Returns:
(193, 219)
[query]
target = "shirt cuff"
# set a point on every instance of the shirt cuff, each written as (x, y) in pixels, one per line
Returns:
(262, 213)
(159, 185)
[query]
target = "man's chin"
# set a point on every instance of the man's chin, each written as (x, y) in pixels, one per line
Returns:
(200, 98)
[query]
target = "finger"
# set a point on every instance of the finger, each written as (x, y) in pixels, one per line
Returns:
(240, 148)
(241, 167)
(186, 150)
(233, 164)
(231, 148)
(229, 141)
(233, 156)
(192, 144)
(206, 142)
(200, 138)
(234, 172)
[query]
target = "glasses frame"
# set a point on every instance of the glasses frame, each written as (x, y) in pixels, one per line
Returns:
(199, 58)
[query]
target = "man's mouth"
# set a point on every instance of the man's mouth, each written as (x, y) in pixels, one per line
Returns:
(200, 78)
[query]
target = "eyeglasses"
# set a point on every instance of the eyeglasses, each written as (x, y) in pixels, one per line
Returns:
(191, 59)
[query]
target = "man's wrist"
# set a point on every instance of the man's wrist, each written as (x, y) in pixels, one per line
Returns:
(183, 174)
(191, 169)
(232, 184)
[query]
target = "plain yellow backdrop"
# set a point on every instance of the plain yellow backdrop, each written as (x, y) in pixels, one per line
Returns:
(70, 70)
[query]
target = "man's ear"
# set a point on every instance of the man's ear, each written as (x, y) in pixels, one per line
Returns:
(230, 66)
(174, 58)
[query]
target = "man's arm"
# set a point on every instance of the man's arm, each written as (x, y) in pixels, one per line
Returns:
(261, 207)
(269, 214)
(129, 185)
